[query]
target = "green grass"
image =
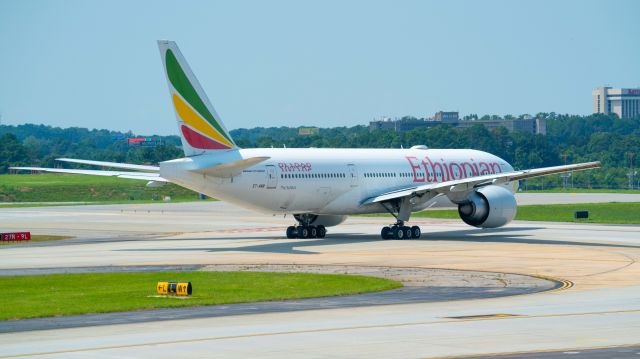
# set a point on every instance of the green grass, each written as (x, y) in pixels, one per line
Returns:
(55, 204)
(66, 294)
(83, 188)
(583, 190)
(613, 212)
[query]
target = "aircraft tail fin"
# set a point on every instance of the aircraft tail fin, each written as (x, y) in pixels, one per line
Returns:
(201, 129)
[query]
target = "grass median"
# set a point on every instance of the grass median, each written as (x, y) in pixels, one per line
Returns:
(66, 294)
(612, 212)
(48, 187)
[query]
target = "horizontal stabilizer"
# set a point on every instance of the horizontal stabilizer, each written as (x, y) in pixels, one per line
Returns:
(229, 169)
(121, 174)
(112, 164)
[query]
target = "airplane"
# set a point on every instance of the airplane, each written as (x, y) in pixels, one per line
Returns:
(320, 187)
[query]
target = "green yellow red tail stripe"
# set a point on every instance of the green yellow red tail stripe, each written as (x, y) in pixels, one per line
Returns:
(199, 126)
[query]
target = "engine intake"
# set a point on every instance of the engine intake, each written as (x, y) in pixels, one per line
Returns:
(488, 207)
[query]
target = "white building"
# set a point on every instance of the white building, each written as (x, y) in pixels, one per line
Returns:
(623, 102)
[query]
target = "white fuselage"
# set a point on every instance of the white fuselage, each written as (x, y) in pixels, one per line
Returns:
(328, 181)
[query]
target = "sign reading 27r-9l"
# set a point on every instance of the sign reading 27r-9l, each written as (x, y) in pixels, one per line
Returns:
(15, 236)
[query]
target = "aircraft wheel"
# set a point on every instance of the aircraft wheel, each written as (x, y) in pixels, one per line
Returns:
(291, 232)
(313, 232)
(322, 231)
(415, 232)
(407, 232)
(385, 233)
(303, 232)
(398, 233)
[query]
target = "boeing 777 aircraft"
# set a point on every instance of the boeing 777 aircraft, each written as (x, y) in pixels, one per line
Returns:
(321, 187)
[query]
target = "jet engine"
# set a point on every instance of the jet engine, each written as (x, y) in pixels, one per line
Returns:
(488, 207)
(320, 219)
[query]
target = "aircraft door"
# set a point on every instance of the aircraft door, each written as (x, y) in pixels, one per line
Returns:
(353, 174)
(272, 177)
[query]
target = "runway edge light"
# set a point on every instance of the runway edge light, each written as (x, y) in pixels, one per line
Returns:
(182, 289)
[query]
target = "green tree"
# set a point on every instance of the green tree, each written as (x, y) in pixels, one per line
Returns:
(12, 152)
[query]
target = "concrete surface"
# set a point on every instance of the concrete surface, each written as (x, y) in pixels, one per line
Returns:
(622, 352)
(602, 309)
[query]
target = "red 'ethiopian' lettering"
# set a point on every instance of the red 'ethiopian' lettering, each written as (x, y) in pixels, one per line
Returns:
(425, 170)
(468, 170)
(415, 168)
(455, 174)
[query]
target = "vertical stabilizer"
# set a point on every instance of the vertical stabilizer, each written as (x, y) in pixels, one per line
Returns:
(201, 129)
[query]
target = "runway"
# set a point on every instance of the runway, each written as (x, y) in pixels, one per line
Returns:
(601, 310)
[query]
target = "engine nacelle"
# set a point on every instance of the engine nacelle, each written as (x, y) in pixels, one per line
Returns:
(326, 220)
(488, 207)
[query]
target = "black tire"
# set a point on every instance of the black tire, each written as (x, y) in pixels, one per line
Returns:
(291, 232)
(407, 232)
(385, 233)
(302, 232)
(322, 231)
(398, 233)
(313, 232)
(416, 232)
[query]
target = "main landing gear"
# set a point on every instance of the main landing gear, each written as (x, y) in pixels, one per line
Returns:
(400, 231)
(304, 229)
(401, 210)
(306, 232)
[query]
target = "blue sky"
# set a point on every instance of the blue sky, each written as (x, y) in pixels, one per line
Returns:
(326, 63)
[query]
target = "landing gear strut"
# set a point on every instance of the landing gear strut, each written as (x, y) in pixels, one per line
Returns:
(401, 210)
(305, 229)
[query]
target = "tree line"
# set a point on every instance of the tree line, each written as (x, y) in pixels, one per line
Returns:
(569, 139)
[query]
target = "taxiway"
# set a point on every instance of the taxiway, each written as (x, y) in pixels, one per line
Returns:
(600, 310)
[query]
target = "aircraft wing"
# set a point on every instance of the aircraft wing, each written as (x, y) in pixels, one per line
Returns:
(112, 164)
(467, 184)
(146, 176)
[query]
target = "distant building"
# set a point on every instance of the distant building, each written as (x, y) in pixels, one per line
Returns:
(401, 125)
(144, 141)
(308, 131)
(541, 126)
(529, 125)
(446, 117)
(409, 123)
(623, 102)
